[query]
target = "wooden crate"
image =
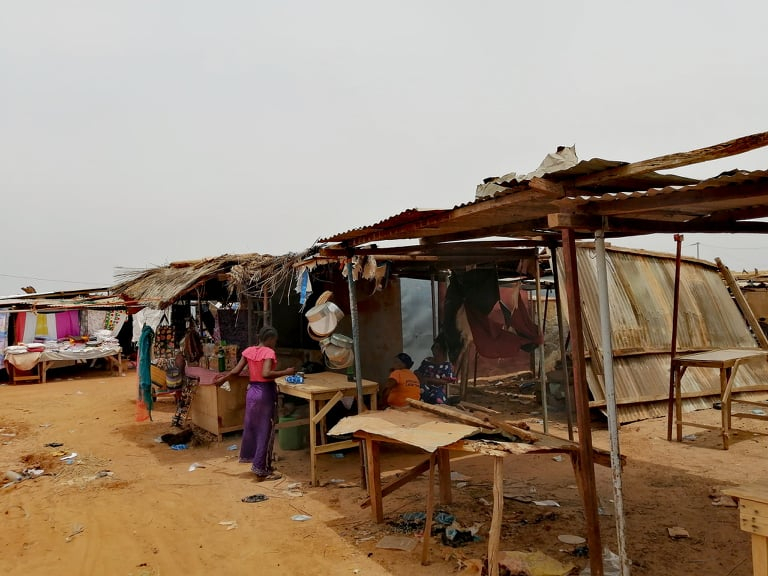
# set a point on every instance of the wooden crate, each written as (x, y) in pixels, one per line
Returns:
(217, 410)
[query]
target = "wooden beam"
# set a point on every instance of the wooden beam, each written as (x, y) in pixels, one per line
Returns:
(574, 221)
(749, 315)
(534, 229)
(436, 224)
(451, 414)
(710, 199)
(483, 247)
(617, 226)
(669, 161)
(511, 428)
(553, 189)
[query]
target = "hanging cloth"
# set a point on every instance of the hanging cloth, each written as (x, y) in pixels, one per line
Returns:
(144, 396)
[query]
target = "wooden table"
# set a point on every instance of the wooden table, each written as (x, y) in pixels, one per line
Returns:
(42, 361)
(727, 361)
(753, 518)
(439, 441)
(323, 391)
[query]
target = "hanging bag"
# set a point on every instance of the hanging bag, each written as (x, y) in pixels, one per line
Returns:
(165, 339)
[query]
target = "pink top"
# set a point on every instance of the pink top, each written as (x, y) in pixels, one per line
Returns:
(256, 356)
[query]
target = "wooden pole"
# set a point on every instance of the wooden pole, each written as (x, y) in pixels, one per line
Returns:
(673, 351)
(430, 511)
(586, 468)
(494, 535)
(563, 348)
(542, 373)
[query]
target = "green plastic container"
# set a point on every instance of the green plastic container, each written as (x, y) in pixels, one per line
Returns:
(293, 438)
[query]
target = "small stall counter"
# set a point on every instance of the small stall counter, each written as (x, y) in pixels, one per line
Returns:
(214, 409)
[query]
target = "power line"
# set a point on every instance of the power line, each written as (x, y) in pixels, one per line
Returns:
(49, 279)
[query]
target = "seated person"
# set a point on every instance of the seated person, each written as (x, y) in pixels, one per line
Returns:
(435, 373)
(401, 384)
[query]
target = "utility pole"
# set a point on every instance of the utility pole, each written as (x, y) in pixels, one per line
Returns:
(697, 248)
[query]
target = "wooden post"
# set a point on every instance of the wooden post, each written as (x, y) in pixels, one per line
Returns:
(586, 469)
(494, 535)
(673, 352)
(444, 466)
(430, 511)
(561, 340)
(374, 478)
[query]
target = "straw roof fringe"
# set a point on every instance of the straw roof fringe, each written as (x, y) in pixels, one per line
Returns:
(242, 275)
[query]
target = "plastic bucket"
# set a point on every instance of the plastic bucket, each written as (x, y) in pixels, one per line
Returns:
(293, 438)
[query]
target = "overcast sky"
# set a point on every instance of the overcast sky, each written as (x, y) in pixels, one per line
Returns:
(137, 133)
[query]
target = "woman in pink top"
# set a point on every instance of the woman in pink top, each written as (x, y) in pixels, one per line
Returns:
(260, 403)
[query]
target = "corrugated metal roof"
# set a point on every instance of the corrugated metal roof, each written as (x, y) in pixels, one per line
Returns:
(404, 217)
(518, 209)
(595, 165)
(623, 200)
(641, 292)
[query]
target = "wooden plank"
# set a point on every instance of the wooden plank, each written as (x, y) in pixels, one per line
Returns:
(451, 414)
(754, 526)
(494, 534)
(524, 435)
(757, 492)
(317, 418)
(748, 415)
(549, 187)
(753, 508)
(686, 395)
(477, 407)
(291, 424)
(738, 295)
(669, 161)
(334, 446)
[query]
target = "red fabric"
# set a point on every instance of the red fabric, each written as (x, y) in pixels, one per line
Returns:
(493, 341)
(18, 328)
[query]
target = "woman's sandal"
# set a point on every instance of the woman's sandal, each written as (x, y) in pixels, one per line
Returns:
(271, 476)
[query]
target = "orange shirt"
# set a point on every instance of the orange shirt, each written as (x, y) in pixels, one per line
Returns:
(407, 387)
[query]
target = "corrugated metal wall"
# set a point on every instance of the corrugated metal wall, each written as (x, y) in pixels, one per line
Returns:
(641, 292)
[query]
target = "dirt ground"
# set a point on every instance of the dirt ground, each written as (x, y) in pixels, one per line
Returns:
(130, 505)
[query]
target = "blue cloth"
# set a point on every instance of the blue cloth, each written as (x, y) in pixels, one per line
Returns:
(145, 370)
(304, 283)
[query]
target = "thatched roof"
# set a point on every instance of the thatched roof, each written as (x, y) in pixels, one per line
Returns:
(227, 277)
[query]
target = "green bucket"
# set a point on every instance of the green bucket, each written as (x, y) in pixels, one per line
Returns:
(293, 438)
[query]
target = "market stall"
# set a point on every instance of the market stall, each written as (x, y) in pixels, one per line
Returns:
(31, 363)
